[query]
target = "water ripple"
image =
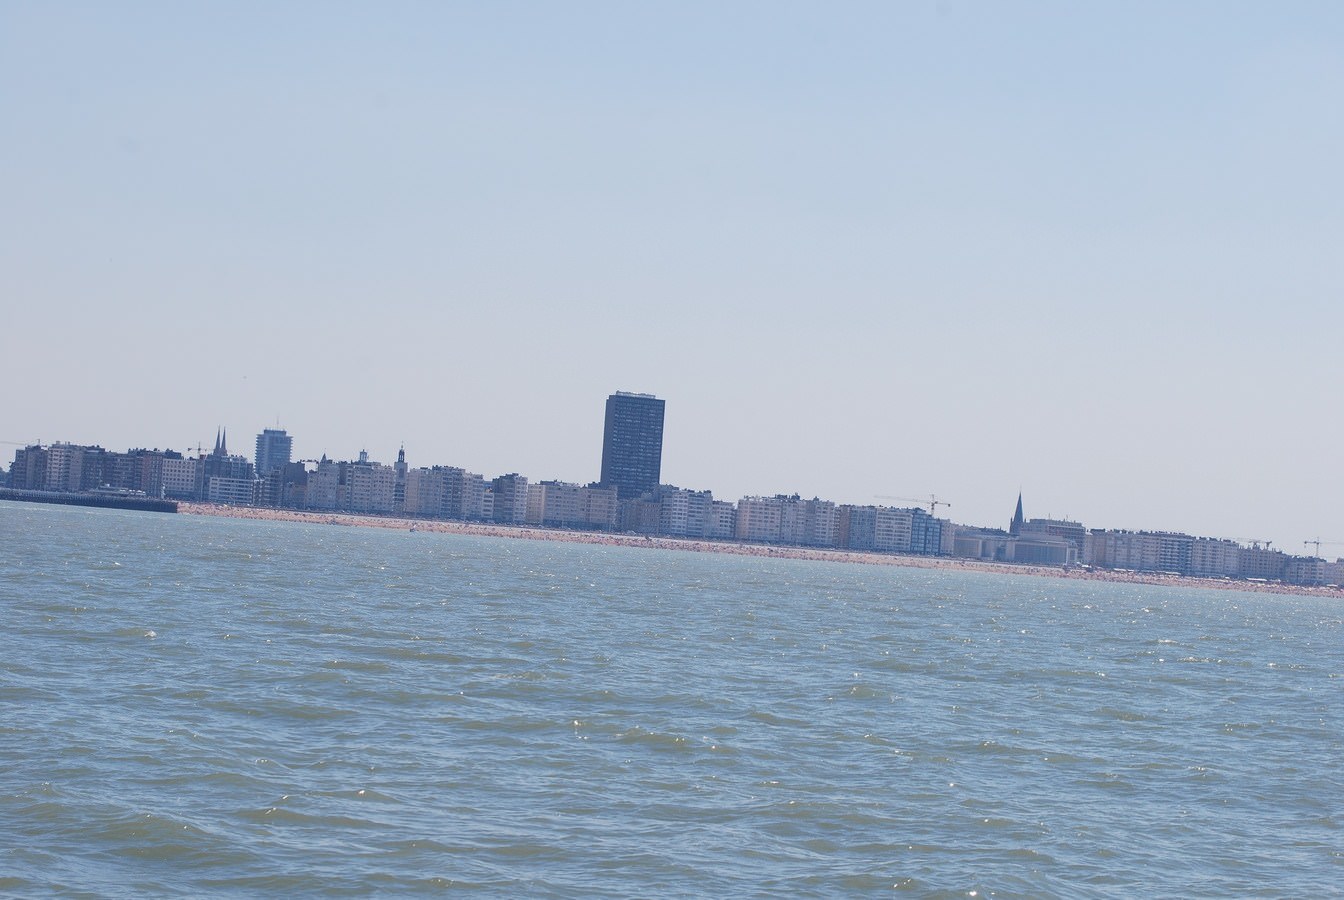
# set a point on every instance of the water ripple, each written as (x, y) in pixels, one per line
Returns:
(192, 706)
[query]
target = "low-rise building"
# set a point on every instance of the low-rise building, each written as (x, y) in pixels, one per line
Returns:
(980, 543)
(233, 491)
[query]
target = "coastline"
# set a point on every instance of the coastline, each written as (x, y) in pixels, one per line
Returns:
(537, 533)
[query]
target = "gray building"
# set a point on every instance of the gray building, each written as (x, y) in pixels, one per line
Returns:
(273, 450)
(632, 443)
(509, 499)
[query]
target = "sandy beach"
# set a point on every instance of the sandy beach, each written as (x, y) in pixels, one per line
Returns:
(534, 533)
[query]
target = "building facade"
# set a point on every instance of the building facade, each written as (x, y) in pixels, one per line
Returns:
(274, 447)
(632, 443)
(509, 499)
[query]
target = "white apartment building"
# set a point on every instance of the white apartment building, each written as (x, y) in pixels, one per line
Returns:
(674, 512)
(683, 513)
(234, 491)
(1212, 557)
(892, 529)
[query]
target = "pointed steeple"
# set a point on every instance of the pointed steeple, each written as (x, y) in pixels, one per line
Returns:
(224, 443)
(216, 450)
(1016, 526)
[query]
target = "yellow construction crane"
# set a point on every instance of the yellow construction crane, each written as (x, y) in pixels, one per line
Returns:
(933, 501)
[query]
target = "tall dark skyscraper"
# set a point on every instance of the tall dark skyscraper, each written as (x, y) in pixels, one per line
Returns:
(632, 443)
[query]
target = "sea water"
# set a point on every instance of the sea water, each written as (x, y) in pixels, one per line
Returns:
(205, 706)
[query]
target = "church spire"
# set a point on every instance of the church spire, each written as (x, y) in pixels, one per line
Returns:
(217, 444)
(1016, 526)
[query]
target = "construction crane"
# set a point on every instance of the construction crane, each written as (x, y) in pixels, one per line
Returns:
(1318, 544)
(933, 501)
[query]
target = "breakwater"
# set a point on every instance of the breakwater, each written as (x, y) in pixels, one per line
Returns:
(91, 498)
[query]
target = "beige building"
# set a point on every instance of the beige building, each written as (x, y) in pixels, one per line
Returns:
(71, 467)
(179, 478)
(371, 487)
(758, 520)
(445, 492)
(1140, 551)
(787, 519)
(560, 504)
(323, 491)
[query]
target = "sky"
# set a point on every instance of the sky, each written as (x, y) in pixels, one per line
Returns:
(1091, 252)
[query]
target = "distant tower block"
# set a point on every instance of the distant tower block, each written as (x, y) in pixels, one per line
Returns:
(632, 443)
(274, 447)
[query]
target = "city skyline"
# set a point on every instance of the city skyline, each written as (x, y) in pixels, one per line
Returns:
(268, 437)
(137, 478)
(948, 248)
(631, 447)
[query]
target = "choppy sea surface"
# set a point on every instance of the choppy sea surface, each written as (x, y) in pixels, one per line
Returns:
(224, 707)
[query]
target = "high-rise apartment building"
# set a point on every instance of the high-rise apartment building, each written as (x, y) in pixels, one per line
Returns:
(273, 450)
(632, 443)
(509, 501)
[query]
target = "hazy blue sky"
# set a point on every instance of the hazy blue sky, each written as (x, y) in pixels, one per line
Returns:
(1088, 250)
